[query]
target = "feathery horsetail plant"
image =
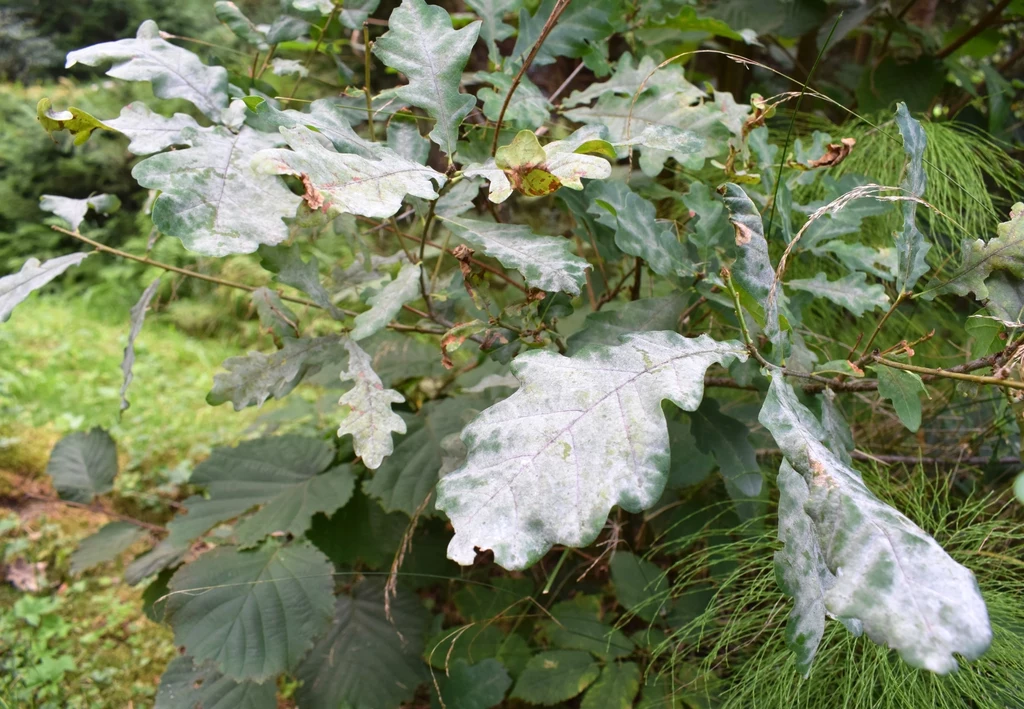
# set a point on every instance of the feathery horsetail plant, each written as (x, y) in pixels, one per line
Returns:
(587, 427)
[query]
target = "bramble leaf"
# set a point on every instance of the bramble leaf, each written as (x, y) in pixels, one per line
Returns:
(104, 545)
(186, 685)
(32, 276)
(546, 262)
(851, 291)
(370, 419)
(212, 199)
(259, 610)
(256, 377)
(481, 685)
(616, 688)
(173, 71)
(577, 625)
(365, 660)
(386, 303)
(588, 433)
(421, 43)
(891, 578)
(83, 465)
(345, 182)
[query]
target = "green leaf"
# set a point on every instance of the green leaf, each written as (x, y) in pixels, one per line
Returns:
(286, 263)
(173, 71)
(800, 570)
(344, 182)
(492, 26)
(138, 316)
(73, 210)
(888, 577)
(256, 377)
(904, 390)
(421, 44)
(858, 257)
(360, 532)
(258, 611)
(616, 688)
(481, 602)
(352, 15)
(606, 326)
(638, 584)
(577, 625)
(404, 139)
(752, 269)
(625, 81)
(387, 302)
(637, 231)
(580, 28)
(546, 262)
(74, 120)
(274, 315)
(327, 119)
(150, 132)
(1004, 252)
(212, 199)
(240, 25)
(104, 545)
(530, 109)
(370, 420)
(911, 247)
(596, 437)
(365, 660)
(164, 555)
(727, 439)
(83, 465)
(555, 676)
(479, 686)
(32, 276)
(851, 291)
(185, 685)
(286, 476)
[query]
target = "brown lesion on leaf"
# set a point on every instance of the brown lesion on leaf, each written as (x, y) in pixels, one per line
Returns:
(313, 197)
(835, 153)
(743, 233)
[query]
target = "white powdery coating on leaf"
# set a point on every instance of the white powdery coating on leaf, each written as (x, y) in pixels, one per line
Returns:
(387, 303)
(582, 434)
(371, 420)
(32, 276)
(150, 132)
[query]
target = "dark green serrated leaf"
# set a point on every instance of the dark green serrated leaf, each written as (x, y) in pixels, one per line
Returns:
(253, 613)
(83, 465)
(616, 688)
(555, 676)
(727, 439)
(479, 686)
(164, 555)
(638, 584)
(186, 685)
(104, 545)
(904, 390)
(480, 602)
(577, 625)
(365, 660)
(360, 532)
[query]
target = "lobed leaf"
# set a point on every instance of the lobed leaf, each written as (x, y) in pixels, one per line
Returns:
(911, 247)
(851, 291)
(138, 317)
(581, 434)
(637, 232)
(73, 211)
(32, 276)
(150, 132)
(74, 120)
(370, 420)
(386, 303)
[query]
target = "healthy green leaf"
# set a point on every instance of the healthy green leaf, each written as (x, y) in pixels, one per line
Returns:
(911, 247)
(370, 420)
(83, 465)
(891, 578)
(212, 199)
(637, 231)
(596, 437)
(286, 263)
(138, 316)
(252, 613)
(606, 326)
(577, 625)
(74, 120)
(555, 676)
(164, 555)
(365, 660)
(712, 228)
(492, 26)
(256, 377)
(851, 291)
(904, 390)
(240, 25)
(616, 688)
(287, 476)
(637, 583)
(359, 533)
(73, 210)
(727, 439)
(546, 262)
(173, 71)
(104, 545)
(386, 303)
(421, 43)
(530, 109)
(32, 276)
(580, 29)
(345, 182)
(478, 686)
(150, 132)
(186, 685)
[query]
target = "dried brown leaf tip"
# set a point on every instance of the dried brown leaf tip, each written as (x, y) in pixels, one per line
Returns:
(835, 153)
(314, 198)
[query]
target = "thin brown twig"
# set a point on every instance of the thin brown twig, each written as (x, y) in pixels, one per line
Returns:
(975, 29)
(97, 509)
(556, 12)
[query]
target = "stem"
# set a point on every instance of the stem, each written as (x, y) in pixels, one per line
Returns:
(428, 222)
(96, 508)
(548, 26)
(553, 98)
(554, 572)
(634, 292)
(727, 277)
(219, 281)
(366, 82)
(948, 374)
(255, 61)
(440, 258)
(878, 328)
(266, 62)
(974, 30)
